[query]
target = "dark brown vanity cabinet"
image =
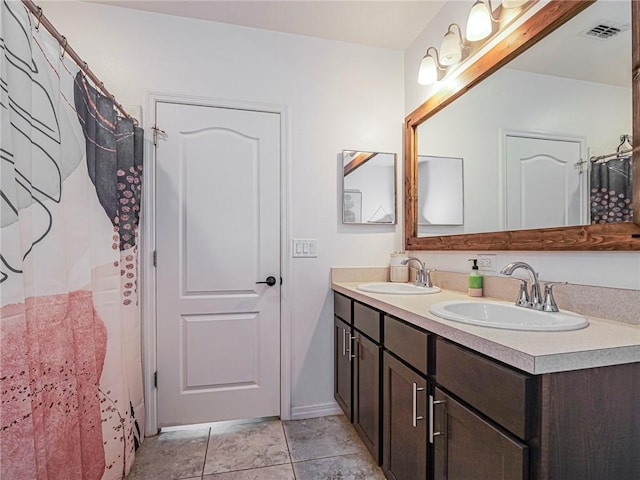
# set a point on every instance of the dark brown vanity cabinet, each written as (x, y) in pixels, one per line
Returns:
(482, 417)
(366, 392)
(342, 362)
(429, 408)
(357, 359)
(404, 421)
(405, 394)
(342, 353)
(466, 447)
(493, 421)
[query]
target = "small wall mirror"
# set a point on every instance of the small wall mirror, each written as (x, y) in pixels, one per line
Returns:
(368, 187)
(440, 191)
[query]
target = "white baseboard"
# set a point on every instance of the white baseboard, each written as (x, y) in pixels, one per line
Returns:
(318, 410)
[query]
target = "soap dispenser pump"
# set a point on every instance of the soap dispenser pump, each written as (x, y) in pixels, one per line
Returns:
(475, 280)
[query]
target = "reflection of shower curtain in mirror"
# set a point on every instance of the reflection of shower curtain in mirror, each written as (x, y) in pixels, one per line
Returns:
(611, 195)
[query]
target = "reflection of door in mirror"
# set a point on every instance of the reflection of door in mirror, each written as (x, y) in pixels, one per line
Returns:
(369, 187)
(546, 181)
(440, 191)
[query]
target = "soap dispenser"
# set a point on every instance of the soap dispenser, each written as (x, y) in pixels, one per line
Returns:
(475, 280)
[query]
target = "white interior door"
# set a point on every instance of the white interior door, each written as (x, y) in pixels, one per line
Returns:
(218, 233)
(545, 184)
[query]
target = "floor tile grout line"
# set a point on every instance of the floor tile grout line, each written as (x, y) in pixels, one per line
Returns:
(324, 458)
(286, 441)
(206, 452)
(248, 469)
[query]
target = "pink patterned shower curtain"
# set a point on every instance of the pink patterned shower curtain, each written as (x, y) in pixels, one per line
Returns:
(71, 404)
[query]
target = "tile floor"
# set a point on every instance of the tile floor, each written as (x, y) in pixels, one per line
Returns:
(325, 448)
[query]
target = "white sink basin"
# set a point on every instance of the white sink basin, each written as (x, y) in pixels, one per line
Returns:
(508, 316)
(391, 288)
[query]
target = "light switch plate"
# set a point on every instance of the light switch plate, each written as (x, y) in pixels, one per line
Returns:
(305, 247)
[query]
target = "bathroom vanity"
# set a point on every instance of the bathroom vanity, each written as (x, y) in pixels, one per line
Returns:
(434, 399)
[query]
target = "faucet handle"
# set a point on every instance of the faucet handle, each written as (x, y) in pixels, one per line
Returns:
(549, 303)
(427, 277)
(523, 296)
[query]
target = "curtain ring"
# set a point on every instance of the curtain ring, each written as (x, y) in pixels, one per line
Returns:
(64, 47)
(39, 18)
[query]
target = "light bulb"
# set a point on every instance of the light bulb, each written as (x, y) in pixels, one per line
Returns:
(428, 72)
(450, 49)
(479, 22)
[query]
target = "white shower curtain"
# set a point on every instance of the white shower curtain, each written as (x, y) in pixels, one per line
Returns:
(70, 362)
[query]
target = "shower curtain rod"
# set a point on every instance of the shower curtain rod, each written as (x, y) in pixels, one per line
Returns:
(66, 49)
(619, 153)
(611, 156)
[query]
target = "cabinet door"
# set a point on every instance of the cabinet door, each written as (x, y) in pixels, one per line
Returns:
(366, 393)
(404, 422)
(342, 365)
(468, 448)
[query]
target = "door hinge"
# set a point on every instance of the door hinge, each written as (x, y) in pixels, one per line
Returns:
(155, 379)
(155, 258)
(157, 131)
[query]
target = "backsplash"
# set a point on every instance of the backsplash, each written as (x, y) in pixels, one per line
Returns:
(618, 305)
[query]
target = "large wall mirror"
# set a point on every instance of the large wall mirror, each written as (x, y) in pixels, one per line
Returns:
(368, 187)
(528, 117)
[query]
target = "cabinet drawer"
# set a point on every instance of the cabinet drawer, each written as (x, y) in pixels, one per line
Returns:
(367, 320)
(342, 307)
(498, 392)
(408, 343)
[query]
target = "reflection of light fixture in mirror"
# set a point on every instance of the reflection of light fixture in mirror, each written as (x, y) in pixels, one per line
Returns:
(480, 21)
(430, 68)
(451, 46)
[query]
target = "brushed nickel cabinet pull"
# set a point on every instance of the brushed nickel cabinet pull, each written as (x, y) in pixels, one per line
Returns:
(432, 404)
(415, 416)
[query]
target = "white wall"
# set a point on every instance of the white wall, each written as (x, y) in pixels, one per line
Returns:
(338, 95)
(609, 269)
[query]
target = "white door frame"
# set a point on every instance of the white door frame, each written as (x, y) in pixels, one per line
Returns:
(148, 245)
(503, 133)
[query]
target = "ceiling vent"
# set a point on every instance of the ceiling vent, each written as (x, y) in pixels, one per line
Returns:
(605, 29)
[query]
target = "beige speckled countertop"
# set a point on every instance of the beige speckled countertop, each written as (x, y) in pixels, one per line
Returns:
(602, 343)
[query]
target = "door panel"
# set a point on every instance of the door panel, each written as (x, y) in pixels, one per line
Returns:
(366, 391)
(343, 345)
(218, 233)
(405, 439)
(545, 185)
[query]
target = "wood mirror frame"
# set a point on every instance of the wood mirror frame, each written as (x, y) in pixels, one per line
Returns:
(620, 236)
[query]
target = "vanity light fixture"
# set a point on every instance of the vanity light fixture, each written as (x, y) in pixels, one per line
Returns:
(481, 25)
(452, 46)
(430, 68)
(481, 21)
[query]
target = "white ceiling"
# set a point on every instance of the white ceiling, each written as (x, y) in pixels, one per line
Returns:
(390, 24)
(395, 24)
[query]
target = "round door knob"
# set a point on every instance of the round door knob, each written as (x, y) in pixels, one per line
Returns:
(271, 281)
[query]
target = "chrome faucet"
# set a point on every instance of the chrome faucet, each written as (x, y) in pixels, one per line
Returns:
(533, 300)
(526, 299)
(423, 275)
